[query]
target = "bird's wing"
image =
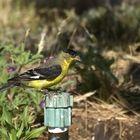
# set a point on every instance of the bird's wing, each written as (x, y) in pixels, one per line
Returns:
(48, 73)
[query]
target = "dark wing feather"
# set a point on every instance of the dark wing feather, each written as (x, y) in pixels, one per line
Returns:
(48, 73)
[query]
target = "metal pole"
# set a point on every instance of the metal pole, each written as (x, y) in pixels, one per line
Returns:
(58, 115)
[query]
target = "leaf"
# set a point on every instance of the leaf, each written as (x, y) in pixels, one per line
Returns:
(12, 135)
(25, 116)
(19, 133)
(7, 116)
(3, 133)
(35, 133)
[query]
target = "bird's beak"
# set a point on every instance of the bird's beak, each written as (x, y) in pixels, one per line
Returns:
(77, 58)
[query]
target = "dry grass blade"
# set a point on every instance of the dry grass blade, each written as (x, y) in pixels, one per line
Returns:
(80, 98)
(133, 58)
(42, 42)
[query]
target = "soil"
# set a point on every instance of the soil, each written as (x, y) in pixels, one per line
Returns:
(94, 121)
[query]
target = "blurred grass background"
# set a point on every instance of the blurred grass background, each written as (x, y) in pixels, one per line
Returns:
(106, 33)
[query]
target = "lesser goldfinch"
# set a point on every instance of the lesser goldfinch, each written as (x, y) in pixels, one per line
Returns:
(47, 75)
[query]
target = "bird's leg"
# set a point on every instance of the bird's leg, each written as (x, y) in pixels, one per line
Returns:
(58, 89)
(45, 91)
(49, 92)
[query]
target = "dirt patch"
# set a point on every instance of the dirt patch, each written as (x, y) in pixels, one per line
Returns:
(104, 122)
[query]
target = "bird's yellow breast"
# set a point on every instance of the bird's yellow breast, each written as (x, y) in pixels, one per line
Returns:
(40, 84)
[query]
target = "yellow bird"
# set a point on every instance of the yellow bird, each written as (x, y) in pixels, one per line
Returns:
(47, 75)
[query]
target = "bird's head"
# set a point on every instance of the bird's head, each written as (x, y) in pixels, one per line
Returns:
(69, 56)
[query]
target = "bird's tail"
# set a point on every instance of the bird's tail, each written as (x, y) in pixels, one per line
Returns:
(8, 85)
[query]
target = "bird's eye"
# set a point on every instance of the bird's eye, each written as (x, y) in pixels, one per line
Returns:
(71, 52)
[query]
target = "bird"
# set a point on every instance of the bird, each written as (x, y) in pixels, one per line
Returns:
(46, 75)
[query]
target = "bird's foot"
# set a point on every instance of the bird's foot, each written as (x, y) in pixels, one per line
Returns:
(51, 92)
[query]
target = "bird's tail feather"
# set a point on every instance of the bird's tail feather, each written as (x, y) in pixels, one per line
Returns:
(7, 86)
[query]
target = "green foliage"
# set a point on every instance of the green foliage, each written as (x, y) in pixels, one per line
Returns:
(18, 106)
